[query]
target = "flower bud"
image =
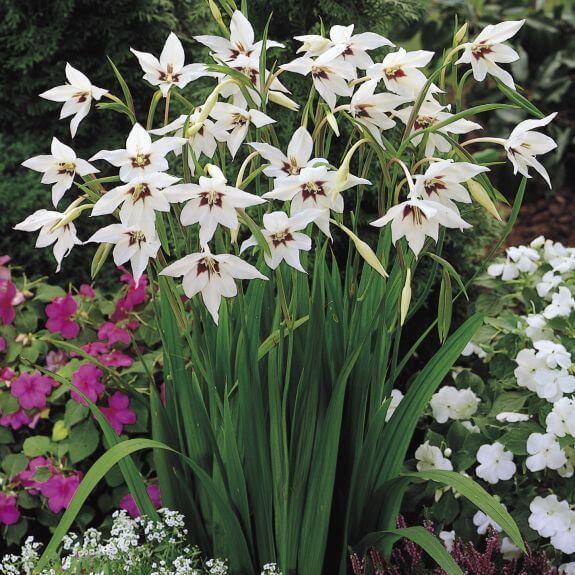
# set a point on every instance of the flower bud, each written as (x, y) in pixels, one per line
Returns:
(332, 123)
(405, 297)
(460, 35)
(479, 194)
(281, 99)
(448, 452)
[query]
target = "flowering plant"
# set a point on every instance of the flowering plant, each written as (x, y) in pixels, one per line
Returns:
(273, 376)
(510, 420)
(47, 437)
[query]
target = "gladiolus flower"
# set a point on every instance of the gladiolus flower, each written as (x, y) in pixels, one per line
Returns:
(77, 96)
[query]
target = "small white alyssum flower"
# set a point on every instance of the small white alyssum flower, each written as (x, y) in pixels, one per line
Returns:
(170, 70)
(77, 96)
(59, 168)
(141, 155)
(495, 463)
(211, 275)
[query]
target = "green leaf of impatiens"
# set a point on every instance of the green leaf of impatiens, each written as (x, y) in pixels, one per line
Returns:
(83, 441)
(14, 463)
(36, 445)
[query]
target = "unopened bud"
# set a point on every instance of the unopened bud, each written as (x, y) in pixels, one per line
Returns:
(281, 99)
(460, 35)
(405, 297)
(479, 194)
(332, 123)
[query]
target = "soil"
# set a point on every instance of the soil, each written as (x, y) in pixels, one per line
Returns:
(550, 217)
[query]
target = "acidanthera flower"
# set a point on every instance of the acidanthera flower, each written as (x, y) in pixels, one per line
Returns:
(52, 231)
(77, 97)
(401, 74)
(372, 109)
(211, 275)
(313, 45)
(59, 168)
(202, 140)
(240, 43)
(132, 244)
(299, 152)
(353, 48)
(232, 124)
(140, 199)
(416, 218)
(523, 145)
(330, 77)
(170, 69)
(312, 189)
(431, 113)
(284, 238)
(442, 182)
(487, 49)
(211, 202)
(141, 155)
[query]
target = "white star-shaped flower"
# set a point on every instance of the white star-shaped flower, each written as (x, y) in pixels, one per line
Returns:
(59, 168)
(77, 96)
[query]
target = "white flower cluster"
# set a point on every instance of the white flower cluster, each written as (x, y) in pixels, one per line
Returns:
(553, 518)
(340, 67)
(452, 403)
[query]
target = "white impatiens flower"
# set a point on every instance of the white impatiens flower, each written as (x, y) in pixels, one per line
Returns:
(452, 403)
(551, 384)
(544, 452)
(372, 109)
(565, 540)
(520, 259)
(77, 96)
(472, 348)
(442, 182)
(353, 48)
(330, 77)
(232, 124)
(396, 397)
(431, 457)
(562, 304)
(140, 199)
(416, 219)
(59, 168)
(548, 515)
(141, 155)
(54, 229)
(170, 69)
(284, 238)
(523, 145)
(487, 49)
(211, 202)
(448, 538)
(298, 157)
(401, 74)
(213, 276)
(537, 327)
(483, 522)
(561, 420)
(553, 354)
(548, 282)
(312, 189)
(567, 568)
(495, 463)
(429, 114)
(509, 551)
(132, 244)
(527, 366)
(240, 43)
(512, 417)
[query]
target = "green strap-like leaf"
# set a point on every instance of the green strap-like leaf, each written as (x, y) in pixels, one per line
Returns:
(478, 496)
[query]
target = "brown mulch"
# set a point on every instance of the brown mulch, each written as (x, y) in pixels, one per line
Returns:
(551, 217)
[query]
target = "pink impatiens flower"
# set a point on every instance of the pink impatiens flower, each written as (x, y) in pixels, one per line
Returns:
(87, 380)
(25, 478)
(16, 420)
(56, 359)
(114, 334)
(136, 295)
(31, 390)
(60, 312)
(110, 358)
(8, 292)
(9, 513)
(3, 344)
(59, 491)
(87, 291)
(118, 412)
(128, 504)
